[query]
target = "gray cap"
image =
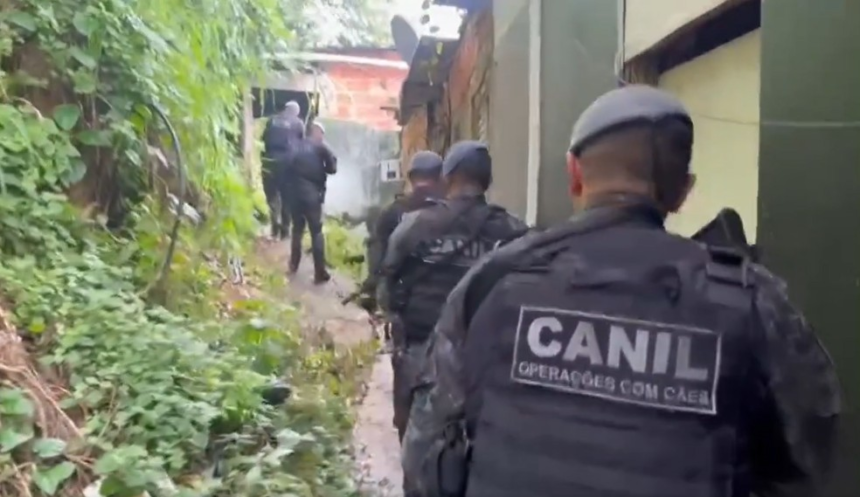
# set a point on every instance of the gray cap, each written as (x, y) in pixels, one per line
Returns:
(623, 106)
(465, 151)
(293, 106)
(319, 125)
(426, 163)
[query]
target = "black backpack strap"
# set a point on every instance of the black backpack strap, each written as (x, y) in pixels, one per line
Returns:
(728, 265)
(473, 235)
(732, 283)
(540, 250)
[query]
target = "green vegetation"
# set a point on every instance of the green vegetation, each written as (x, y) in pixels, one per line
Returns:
(118, 379)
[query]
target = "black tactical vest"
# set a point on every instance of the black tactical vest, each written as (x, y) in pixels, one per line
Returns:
(457, 238)
(281, 135)
(617, 367)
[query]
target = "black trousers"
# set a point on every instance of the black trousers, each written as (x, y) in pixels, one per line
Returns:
(278, 200)
(402, 395)
(306, 211)
(405, 368)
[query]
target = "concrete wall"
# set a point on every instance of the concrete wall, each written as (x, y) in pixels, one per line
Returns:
(579, 42)
(509, 104)
(358, 148)
(721, 90)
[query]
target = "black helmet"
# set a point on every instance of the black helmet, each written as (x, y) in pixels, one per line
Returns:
(464, 151)
(630, 105)
(425, 163)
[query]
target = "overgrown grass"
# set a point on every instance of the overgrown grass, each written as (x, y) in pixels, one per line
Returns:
(162, 386)
(161, 390)
(344, 250)
(165, 383)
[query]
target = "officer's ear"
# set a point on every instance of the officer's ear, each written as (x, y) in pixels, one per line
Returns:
(574, 174)
(685, 193)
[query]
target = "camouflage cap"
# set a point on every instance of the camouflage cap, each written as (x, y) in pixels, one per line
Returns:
(629, 105)
(467, 150)
(426, 162)
(319, 125)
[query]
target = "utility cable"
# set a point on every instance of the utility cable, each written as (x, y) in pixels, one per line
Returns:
(180, 208)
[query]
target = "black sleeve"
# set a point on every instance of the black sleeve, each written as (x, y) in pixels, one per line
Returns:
(385, 225)
(266, 132)
(795, 433)
(329, 159)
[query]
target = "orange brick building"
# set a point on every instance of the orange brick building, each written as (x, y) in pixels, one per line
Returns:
(359, 91)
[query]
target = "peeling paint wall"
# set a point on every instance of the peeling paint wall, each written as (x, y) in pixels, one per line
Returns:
(463, 111)
(413, 138)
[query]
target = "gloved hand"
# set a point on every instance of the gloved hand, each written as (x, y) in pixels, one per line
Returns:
(367, 302)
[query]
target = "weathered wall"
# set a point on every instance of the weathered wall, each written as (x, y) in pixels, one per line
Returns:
(357, 93)
(721, 91)
(809, 192)
(468, 82)
(579, 43)
(462, 112)
(358, 148)
(413, 138)
(650, 21)
(509, 104)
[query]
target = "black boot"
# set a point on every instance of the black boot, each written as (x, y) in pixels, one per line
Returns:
(295, 253)
(321, 274)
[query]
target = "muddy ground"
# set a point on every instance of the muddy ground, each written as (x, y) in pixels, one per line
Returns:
(375, 439)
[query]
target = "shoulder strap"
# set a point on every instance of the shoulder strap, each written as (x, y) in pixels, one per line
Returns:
(473, 235)
(728, 269)
(540, 250)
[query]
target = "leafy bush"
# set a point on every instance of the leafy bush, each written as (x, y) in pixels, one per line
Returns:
(162, 390)
(156, 390)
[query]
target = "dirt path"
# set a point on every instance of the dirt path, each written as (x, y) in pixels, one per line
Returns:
(375, 439)
(377, 447)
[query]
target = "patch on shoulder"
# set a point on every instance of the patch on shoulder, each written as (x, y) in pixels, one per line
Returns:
(650, 364)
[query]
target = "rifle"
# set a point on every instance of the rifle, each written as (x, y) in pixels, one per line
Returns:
(726, 231)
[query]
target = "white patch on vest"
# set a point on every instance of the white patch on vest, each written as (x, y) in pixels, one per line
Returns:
(651, 364)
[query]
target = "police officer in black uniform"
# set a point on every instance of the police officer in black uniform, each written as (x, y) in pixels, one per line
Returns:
(429, 251)
(424, 176)
(309, 166)
(282, 132)
(606, 357)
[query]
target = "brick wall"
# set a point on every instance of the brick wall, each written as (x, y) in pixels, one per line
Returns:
(468, 81)
(359, 91)
(466, 95)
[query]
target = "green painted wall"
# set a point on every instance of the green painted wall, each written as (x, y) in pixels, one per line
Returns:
(809, 177)
(579, 45)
